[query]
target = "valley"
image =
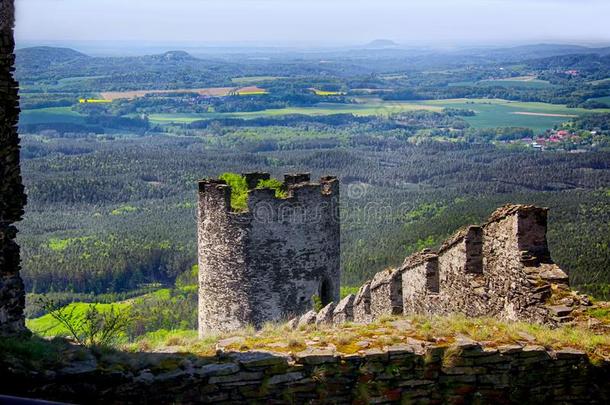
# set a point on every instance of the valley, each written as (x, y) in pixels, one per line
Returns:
(112, 199)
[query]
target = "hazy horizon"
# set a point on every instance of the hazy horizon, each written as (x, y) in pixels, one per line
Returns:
(439, 23)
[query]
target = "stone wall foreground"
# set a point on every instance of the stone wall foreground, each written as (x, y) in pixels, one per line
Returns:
(502, 269)
(12, 197)
(417, 373)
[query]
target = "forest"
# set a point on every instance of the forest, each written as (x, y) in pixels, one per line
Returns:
(116, 215)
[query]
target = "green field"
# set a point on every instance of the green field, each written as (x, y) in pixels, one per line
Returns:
(514, 82)
(502, 113)
(46, 325)
(489, 112)
(605, 100)
(380, 108)
(50, 115)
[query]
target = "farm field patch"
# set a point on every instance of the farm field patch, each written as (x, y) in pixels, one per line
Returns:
(327, 93)
(545, 114)
(605, 100)
(491, 113)
(50, 115)
(209, 91)
(523, 81)
(320, 109)
(248, 80)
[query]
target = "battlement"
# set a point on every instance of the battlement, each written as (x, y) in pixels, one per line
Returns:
(526, 225)
(501, 269)
(265, 263)
(299, 190)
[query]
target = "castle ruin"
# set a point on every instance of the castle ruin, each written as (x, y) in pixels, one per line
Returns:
(501, 269)
(266, 263)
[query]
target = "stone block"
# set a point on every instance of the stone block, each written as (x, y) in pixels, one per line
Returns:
(308, 318)
(344, 311)
(325, 316)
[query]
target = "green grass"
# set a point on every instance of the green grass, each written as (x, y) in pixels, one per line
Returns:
(347, 290)
(514, 82)
(51, 115)
(273, 184)
(605, 100)
(367, 109)
(491, 113)
(239, 190)
(46, 325)
(602, 313)
(442, 330)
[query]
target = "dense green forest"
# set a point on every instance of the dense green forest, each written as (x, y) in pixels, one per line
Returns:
(112, 186)
(113, 215)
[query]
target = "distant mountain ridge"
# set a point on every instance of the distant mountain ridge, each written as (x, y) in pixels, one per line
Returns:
(381, 43)
(538, 51)
(47, 55)
(173, 56)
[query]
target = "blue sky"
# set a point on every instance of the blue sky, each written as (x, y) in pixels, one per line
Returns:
(426, 22)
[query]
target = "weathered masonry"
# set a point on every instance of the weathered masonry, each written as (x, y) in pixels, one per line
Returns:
(265, 264)
(415, 373)
(12, 197)
(502, 269)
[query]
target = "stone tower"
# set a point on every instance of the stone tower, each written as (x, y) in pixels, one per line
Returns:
(12, 197)
(266, 263)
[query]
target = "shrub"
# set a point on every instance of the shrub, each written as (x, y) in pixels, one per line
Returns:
(239, 190)
(316, 303)
(273, 184)
(91, 328)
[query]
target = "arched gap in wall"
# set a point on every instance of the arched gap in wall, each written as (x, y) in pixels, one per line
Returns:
(326, 294)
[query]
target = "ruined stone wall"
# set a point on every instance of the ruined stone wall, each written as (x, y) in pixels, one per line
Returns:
(402, 374)
(386, 293)
(502, 269)
(461, 277)
(362, 304)
(420, 283)
(267, 263)
(12, 197)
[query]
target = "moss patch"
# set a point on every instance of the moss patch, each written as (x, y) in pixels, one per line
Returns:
(274, 184)
(239, 190)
